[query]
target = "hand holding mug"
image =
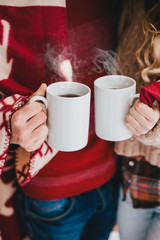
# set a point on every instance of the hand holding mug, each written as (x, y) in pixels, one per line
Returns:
(142, 118)
(28, 124)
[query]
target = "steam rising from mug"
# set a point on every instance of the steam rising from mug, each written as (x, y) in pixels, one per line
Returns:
(106, 61)
(61, 64)
(66, 65)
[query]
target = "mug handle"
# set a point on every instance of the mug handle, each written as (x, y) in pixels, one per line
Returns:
(39, 98)
(135, 96)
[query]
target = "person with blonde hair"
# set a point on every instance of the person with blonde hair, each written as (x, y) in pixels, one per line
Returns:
(139, 51)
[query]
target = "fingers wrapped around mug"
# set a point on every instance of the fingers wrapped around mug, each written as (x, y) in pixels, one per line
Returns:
(142, 118)
(28, 126)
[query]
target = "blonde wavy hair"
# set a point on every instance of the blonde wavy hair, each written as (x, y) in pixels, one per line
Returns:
(148, 55)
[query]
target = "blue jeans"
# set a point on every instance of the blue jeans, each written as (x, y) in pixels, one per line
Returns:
(137, 223)
(87, 216)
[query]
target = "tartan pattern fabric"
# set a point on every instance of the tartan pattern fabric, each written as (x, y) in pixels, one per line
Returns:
(143, 179)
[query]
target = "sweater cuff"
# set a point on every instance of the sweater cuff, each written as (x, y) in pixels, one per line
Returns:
(152, 138)
(8, 106)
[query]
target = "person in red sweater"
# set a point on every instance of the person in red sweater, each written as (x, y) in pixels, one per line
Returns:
(64, 195)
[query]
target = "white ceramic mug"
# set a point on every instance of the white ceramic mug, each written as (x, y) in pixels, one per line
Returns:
(114, 95)
(68, 115)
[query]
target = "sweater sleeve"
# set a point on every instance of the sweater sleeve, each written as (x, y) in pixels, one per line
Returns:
(27, 164)
(8, 106)
(152, 138)
(24, 45)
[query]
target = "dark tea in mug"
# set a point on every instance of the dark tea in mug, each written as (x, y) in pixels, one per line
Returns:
(69, 95)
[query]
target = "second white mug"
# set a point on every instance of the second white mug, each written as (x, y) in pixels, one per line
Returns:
(114, 95)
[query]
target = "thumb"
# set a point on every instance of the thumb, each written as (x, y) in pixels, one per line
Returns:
(41, 90)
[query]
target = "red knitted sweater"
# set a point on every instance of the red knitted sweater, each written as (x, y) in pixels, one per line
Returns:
(32, 37)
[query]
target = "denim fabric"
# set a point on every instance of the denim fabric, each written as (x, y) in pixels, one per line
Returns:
(137, 223)
(87, 216)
